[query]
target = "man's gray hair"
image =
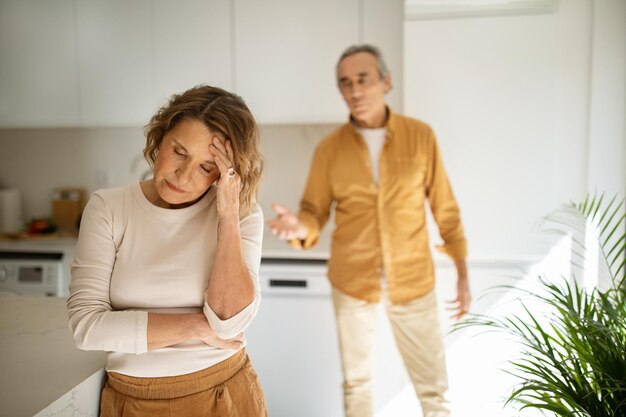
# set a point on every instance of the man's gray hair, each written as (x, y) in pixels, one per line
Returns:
(370, 49)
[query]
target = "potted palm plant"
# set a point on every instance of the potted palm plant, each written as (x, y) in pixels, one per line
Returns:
(573, 359)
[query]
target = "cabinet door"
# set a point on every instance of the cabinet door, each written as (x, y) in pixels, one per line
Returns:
(38, 75)
(383, 26)
(115, 62)
(286, 51)
(192, 45)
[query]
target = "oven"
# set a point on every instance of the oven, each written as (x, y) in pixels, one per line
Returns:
(31, 273)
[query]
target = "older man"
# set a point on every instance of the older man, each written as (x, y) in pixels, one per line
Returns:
(379, 169)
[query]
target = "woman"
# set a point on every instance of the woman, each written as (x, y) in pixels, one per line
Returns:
(165, 276)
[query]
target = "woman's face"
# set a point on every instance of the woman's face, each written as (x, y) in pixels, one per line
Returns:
(185, 167)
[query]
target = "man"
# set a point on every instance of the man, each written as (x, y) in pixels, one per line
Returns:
(379, 169)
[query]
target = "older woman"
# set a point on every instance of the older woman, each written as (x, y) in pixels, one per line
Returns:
(165, 277)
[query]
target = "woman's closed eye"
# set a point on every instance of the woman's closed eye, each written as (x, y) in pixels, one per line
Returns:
(208, 169)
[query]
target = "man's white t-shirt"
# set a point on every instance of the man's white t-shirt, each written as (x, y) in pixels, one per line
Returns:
(375, 139)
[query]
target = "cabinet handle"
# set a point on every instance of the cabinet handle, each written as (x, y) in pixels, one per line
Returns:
(288, 283)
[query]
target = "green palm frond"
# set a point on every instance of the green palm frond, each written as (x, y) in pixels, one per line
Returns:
(573, 354)
(607, 221)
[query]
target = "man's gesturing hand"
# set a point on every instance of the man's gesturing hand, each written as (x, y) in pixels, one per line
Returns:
(286, 225)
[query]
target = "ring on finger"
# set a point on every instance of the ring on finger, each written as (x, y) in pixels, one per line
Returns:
(231, 172)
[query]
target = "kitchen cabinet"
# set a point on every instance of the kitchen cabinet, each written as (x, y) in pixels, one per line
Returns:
(383, 26)
(106, 63)
(286, 52)
(192, 45)
(135, 55)
(113, 63)
(37, 64)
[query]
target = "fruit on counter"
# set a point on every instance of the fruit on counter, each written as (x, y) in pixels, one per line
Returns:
(41, 226)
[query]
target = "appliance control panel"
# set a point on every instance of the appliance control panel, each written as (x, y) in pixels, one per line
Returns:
(32, 273)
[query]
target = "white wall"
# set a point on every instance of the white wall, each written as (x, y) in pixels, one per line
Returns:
(607, 130)
(528, 110)
(288, 150)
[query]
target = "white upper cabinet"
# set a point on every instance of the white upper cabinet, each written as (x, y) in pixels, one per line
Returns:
(114, 62)
(37, 64)
(192, 45)
(285, 56)
(116, 77)
(133, 55)
(383, 26)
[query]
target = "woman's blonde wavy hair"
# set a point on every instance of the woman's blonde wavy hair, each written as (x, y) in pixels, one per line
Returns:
(224, 113)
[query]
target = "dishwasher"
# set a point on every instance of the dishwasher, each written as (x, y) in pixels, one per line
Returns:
(293, 344)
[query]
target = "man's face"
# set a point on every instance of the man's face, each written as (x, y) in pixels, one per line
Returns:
(363, 89)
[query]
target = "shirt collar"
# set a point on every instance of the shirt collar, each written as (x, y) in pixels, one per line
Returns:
(390, 124)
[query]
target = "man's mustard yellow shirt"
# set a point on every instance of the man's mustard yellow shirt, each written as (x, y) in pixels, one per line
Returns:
(381, 228)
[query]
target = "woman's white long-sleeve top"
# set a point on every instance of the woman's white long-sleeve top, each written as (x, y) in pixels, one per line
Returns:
(132, 258)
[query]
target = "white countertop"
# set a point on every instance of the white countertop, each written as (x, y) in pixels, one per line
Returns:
(39, 244)
(272, 247)
(38, 359)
